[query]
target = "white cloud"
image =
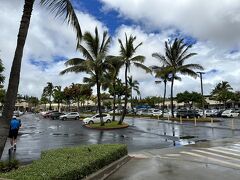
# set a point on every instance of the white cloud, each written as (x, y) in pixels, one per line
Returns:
(215, 20)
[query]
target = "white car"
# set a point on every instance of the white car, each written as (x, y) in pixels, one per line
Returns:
(96, 119)
(230, 113)
(71, 115)
(210, 112)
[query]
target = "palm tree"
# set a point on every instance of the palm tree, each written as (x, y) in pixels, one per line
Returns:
(94, 63)
(60, 8)
(111, 74)
(58, 95)
(133, 85)
(2, 77)
(48, 92)
(175, 57)
(127, 52)
(222, 92)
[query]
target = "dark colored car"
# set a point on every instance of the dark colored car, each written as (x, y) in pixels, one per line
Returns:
(218, 113)
(48, 114)
(187, 113)
(55, 115)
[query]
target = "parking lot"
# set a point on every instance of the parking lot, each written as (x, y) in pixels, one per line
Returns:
(38, 134)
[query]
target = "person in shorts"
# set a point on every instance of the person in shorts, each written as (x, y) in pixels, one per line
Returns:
(15, 124)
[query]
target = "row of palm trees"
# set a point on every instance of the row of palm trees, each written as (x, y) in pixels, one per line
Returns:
(103, 69)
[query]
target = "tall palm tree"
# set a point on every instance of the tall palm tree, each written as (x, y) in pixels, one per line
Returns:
(163, 74)
(48, 92)
(111, 74)
(59, 8)
(2, 77)
(58, 95)
(93, 63)
(127, 52)
(133, 85)
(175, 57)
(222, 92)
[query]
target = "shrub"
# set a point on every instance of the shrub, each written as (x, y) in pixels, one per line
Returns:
(6, 166)
(70, 163)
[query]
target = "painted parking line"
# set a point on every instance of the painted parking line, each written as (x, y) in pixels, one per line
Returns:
(212, 159)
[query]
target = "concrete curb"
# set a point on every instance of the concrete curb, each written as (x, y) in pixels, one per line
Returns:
(109, 169)
(123, 127)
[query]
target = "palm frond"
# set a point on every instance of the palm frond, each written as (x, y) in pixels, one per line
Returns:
(142, 66)
(75, 69)
(138, 58)
(64, 8)
(74, 61)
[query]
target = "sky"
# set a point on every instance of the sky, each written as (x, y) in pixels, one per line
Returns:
(213, 27)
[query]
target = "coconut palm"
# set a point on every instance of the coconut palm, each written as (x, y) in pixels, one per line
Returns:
(58, 95)
(59, 8)
(2, 77)
(48, 92)
(93, 62)
(222, 92)
(133, 86)
(111, 74)
(175, 57)
(127, 52)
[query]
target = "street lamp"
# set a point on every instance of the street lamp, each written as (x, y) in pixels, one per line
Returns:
(200, 74)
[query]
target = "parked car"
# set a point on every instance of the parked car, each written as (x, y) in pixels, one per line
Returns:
(56, 115)
(230, 113)
(96, 119)
(17, 113)
(71, 115)
(48, 114)
(188, 113)
(210, 112)
(218, 113)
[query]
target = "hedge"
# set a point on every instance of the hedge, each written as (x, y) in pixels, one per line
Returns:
(69, 163)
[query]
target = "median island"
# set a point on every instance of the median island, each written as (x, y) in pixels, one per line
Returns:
(107, 126)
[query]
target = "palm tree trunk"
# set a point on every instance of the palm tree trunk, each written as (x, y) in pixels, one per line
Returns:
(114, 98)
(78, 105)
(50, 103)
(126, 98)
(99, 100)
(58, 105)
(172, 95)
(12, 90)
(164, 96)
(131, 100)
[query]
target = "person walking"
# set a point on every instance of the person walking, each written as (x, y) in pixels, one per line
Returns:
(15, 124)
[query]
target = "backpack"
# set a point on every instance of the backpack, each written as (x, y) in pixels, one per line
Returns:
(15, 124)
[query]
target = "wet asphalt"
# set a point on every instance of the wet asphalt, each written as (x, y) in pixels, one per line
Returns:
(38, 134)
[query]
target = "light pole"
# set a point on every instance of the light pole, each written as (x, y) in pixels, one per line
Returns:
(200, 74)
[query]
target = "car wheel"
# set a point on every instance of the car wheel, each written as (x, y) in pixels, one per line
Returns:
(108, 121)
(90, 122)
(76, 118)
(64, 119)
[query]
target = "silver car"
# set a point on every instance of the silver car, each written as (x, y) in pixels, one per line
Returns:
(71, 115)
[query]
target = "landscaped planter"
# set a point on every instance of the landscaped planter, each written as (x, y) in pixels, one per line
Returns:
(69, 163)
(107, 126)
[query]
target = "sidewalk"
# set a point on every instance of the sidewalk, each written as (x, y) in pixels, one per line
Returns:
(213, 160)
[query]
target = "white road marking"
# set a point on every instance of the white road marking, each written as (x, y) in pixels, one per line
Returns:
(229, 149)
(222, 151)
(214, 154)
(212, 159)
(173, 155)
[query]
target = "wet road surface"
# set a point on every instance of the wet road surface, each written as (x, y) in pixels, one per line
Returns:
(38, 134)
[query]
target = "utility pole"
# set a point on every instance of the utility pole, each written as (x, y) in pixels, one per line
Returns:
(200, 74)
